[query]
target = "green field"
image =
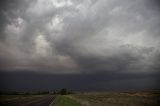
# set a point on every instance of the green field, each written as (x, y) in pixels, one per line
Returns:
(66, 101)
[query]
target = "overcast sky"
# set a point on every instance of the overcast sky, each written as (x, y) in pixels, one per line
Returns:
(81, 37)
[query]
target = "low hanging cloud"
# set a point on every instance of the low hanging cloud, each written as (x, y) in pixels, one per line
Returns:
(90, 36)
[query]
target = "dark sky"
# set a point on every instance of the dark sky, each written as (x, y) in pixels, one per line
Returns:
(79, 44)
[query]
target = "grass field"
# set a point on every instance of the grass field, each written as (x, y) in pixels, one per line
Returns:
(66, 101)
(132, 98)
(120, 98)
(14, 100)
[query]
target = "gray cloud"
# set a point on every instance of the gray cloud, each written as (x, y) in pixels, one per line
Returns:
(154, 4)
(80, 37)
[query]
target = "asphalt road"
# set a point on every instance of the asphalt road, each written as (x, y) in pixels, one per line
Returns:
(41, 102)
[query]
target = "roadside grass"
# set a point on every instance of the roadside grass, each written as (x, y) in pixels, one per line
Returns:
(14, 100)
(120, 98)
(63, 100)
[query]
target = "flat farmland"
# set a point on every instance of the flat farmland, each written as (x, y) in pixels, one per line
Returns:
(114, 98)
(145, 98)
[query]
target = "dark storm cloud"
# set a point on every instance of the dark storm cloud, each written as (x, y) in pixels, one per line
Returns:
(80, 37)
(33, 81)
(154, 4)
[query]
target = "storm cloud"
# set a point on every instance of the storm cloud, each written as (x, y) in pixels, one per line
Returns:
(37, 81)
(73, 37)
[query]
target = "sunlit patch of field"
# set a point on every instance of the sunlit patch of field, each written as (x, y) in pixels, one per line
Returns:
(147, 98)
(14, 100)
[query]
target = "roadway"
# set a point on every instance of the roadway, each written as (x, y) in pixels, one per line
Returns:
(46, 101)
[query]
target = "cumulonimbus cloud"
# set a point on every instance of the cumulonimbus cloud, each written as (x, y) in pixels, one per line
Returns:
(79, 37)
